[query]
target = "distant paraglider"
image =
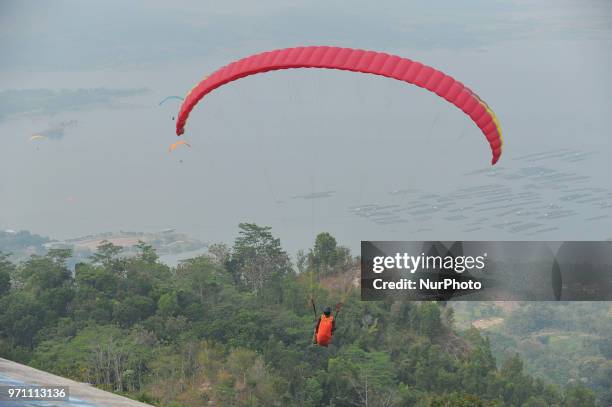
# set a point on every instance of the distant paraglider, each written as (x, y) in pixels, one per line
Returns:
(347, 59)
(37, 138)
(174, 146)
(54, 132)
(164, 100)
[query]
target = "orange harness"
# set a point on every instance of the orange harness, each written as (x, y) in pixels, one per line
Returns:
(324, 334)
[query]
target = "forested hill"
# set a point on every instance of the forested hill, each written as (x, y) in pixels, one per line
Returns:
(234, 328)
(561, 342)
(21, 244)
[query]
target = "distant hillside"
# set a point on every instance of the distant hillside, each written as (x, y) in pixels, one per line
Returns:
(564, 343)
(21, 244)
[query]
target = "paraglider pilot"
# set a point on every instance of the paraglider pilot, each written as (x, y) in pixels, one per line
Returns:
(324, 330)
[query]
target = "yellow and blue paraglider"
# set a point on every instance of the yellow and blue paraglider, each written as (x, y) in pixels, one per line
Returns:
(36, 137)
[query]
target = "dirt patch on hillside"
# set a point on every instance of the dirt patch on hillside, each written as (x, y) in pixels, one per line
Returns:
(507, 306)
(487, 323)
(342, 282)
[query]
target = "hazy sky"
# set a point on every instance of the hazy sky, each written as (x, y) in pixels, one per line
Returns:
(543, 66)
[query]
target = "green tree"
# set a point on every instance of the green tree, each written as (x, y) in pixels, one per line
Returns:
(49, 280)
(516, 386)
(146, 253)
(133, 309)
(168, 304)
(579, 396)
(365, 378)
(430, 321)
(97, 278)
(106, 255)
(326, 256)
(456, 400)
(6, 271)
(21, 317)
(313, 392)
(257, 257)
(96, 288)
(203, 278)
(220, 253)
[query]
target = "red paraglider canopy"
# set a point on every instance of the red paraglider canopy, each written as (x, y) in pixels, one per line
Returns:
(347, 59)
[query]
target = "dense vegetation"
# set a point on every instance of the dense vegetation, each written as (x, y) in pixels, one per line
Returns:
(563, 342)
(234, 328)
